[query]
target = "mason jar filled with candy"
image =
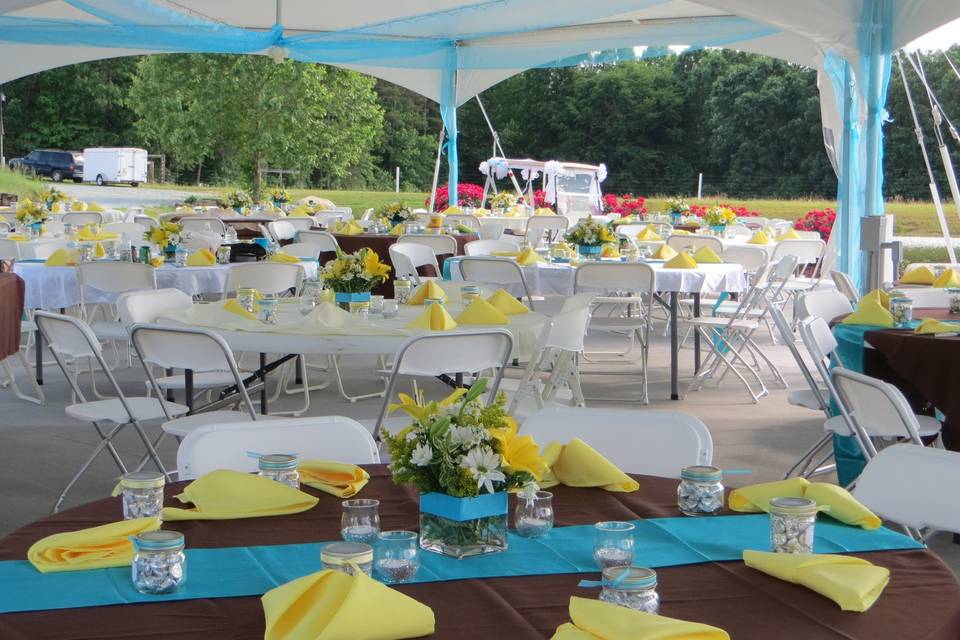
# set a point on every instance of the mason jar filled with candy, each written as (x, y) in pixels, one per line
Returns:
(700, 491)
(159, 564)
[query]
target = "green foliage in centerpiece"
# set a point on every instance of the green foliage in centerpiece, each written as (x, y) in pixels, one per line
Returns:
(396, 213)
(356, 272)
(29, 212)
(590, 232)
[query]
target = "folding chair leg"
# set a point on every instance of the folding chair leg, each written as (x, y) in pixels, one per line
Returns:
(304, 388)
(39, 398)
(104, 442)
(151, 450)
(339, 379)
(804, 461)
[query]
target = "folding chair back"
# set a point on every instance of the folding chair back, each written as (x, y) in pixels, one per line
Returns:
(328, 218)
(879, 407)
(466, 220)
(82, 217)
(440, 243)
(146, 221)
(112, 277)
(692, 242)
(68, 336)
(806, 251)
(491, 231)
(282, 230)
(845, 286)
(300, 224)
(825, 303)
(209, 224)
(302, 250)
(786, 334)
(325, 240)
(738, 231)
(129, 231)
(488, 247)
(502, 272)
(553, 226)
(752, 259)
(143, 307)
(9, 249)
(265, 277)
(636, 277)
(407, 257)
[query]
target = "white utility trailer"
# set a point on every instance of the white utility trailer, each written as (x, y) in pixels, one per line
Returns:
(114, 165)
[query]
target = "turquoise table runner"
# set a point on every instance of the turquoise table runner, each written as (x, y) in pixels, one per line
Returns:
(252, 571)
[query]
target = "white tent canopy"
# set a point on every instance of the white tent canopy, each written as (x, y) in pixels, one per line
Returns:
(450, 50)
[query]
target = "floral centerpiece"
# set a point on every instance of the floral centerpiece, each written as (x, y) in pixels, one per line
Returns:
(590, 235)
(279, 196)
(502, 200)
(167, 236)
(352, 276)
(677, 208)
(54, 196)
(31, 213)
(719, 217)
(463, 457)
(396, 213)
(237, 200)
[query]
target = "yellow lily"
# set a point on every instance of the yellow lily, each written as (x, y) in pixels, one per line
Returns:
(421, 412)
(372, 265)
(520, 453)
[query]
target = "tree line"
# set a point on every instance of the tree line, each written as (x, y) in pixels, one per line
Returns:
(749, 124)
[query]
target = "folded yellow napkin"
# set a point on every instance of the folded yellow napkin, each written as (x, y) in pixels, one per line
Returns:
(233, 306)
(929, 326)
(649, 235)
(333, 605)
(505, 254)
(706, 255)
(350, 228)
(598, 620)
(920, 275)
(78, 206)
(202, 257)
(949, 278)
(527, 257)
(299, 212)
(95, 206)
(98, 250)
(842, 505)
(280, 256)
(502, 300)
(63, 258)
(665, 252)
(156, 262)
(609, 251)
(454, 209)
(429, 289)
(544, 211)
(577, 464)
(789, 234)
(436, 318)
(759, 238)
(397, 230)
(18, 237)
(880, 296)
(681, 261)
(108, 545)
(87, 234)
(339, 479)
(853, 583)
(681, 232)
(482, 312)
(870, 312)
(225, 495)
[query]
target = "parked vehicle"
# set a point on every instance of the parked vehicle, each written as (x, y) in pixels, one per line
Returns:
(106, 165)
(52, 163)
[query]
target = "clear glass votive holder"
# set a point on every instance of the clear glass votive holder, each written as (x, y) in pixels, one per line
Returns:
(280, 467)
(376, 304)
(469, 293)
(631, 587)
(397, 556)
(159, 564)
(613, 544)
(247, 298)
(533, 517)
(142, 494)
(402, 288)
(953, 301)
(792, 523)
(360, 521)
(390, 309)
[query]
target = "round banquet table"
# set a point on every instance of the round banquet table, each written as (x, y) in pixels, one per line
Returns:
(921, 602)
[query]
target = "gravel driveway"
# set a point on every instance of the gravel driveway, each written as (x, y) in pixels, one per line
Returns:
(122, 197)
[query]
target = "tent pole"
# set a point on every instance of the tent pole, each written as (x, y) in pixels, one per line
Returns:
(436, 169)
(498, 146)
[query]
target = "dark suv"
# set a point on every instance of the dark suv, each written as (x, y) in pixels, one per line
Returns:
(54, 164)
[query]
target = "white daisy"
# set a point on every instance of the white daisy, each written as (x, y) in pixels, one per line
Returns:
(464, 436)
(422, 455)
(484, 465)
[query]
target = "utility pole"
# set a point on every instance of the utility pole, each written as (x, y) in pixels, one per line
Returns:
(3, 98)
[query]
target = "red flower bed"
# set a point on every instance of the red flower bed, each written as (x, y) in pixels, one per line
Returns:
(817, 220)
(468, 194)
(626, 204)
(742, 212)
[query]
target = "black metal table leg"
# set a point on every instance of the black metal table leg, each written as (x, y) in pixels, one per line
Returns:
(188, 389)
(299, 370)
(674, 347)
(170, 398)
(696, 334)
(263, 389)
(39, 344)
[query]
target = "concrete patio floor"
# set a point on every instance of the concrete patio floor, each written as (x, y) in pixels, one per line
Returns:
(40, 448)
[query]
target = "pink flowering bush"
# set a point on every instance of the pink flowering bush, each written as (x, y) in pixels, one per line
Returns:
(817, 220)
(468, 194)
(626, 204)
(741, 212)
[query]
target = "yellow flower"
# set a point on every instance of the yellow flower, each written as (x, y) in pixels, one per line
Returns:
(520, 453)
(421, 412)
(606, 235)
(372, 265)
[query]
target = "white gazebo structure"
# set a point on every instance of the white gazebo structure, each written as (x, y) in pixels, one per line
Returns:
(451, 50)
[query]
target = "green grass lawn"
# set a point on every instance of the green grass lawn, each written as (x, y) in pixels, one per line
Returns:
(19, 184)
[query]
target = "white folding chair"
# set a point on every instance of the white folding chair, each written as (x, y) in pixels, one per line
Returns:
(845, 286)
(466, 220)
(328, 218)
(913, 486)
(751, 258)
(266, 277)
(445, 354)
(551, 227)
(488, 247)
(282, 231)
(739, 231)
(408, 256)
(440, 243)
(825, 303)
(228, 446)
(302, 250)
(325, 240)
(9, 250)
(129, 231)
(491, 231)
(809, 235)
(209, 224)
(300, 224)
(694, 242)
(71, 338)
(147, 222)
(80, 218)
(502, 272)
(655, 443)
(809, 253)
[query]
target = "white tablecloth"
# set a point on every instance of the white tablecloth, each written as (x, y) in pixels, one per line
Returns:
(56, 287)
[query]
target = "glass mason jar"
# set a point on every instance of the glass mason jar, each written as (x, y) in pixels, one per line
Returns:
(247, 298)
(533, 517)
(180, 257)
(159, 564)
(347, 557)
(792, 522)
(953, 302)
(142, 494)
(360, 521)
(631, 587)
(281, 468)
(469, 293)
(376, 305)
(402, 287)
(902, 311)
(700, 491)
(269, 310)
(613, 545)
(429, 301)
(360, 309)
(397, 556)
(223, 254)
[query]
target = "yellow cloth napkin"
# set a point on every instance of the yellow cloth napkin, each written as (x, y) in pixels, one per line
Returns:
(482, 312)
(350, 228)
(429, 289)
(870, 312)
(577, 464)
(949, 278)
(853, 583)
(95, 206)
(929, 326)
(609, 251)
(598, 620)
(666, 252)
(56, 207)
(454, 209)
(86, 234)
(880, 296)
(706, 255)
(436, 318)
(759, 238)
(78, 206)
(108, 545)
(202, 257)
(98, 250)
(63, 258)
(505, 254)
(18, 237)
(544, 211)
(333, 605)
(649, 235)
(920, 275)
(682, 261)
(225, 495)
(528, 257)
(156, 262)
(280, 256)
(789, 234)
(339, 479)
(233, 306)
(397, 230)
(502, 300)
(299, 212)
(842, 505)
(681, 232)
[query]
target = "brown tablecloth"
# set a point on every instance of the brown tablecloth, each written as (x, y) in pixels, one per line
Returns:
(381, 244)
(925, 368)
(922, 600)
(11, 312)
